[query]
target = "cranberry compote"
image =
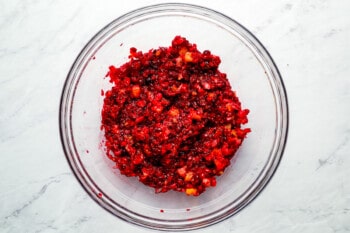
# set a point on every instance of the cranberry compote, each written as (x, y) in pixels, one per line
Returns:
(171, 118)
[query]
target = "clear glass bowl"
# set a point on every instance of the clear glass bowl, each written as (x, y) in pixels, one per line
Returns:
(252, 74)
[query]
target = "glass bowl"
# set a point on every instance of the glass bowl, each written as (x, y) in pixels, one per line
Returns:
(252, 74)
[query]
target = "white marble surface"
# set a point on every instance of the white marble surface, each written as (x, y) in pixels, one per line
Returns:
(310, 42)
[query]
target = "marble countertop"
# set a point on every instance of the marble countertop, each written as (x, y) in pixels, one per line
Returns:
(309, 41)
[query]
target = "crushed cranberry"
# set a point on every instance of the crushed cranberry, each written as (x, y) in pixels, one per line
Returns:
(171, 118)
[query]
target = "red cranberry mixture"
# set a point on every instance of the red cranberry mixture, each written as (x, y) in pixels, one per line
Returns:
(171, 118)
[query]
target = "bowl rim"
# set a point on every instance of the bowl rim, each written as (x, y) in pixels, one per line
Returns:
(129, 216)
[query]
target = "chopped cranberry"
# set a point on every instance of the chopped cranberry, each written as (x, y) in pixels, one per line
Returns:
(171, 118)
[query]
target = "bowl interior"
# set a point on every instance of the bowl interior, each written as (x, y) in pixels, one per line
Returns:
(250, 76)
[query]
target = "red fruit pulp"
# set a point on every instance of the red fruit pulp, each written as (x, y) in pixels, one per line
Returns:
(171, 118)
